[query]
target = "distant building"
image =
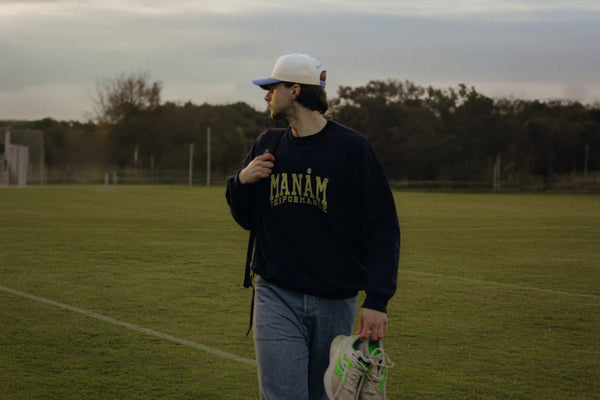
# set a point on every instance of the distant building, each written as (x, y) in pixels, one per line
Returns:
(14, 163)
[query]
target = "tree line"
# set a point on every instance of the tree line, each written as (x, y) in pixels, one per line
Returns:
(419, 133)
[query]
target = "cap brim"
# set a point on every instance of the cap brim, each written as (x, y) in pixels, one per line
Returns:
(264, 83)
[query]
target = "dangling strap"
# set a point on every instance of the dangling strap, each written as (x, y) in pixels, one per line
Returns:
(251, 310)
(249, 277)
(248, 273)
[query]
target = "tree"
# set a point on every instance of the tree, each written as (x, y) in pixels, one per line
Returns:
(125, 109)
(126, 95)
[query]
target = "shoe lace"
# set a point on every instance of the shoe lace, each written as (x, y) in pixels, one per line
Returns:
(354, 375)
(375, 375)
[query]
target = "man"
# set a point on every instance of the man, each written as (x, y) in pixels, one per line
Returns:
(326, 227)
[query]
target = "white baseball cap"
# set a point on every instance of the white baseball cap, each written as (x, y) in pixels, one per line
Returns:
(295, 68)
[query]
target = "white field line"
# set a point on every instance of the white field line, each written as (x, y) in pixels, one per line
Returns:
(504, 228)
(247, 361)
(133, 327)
(509, 285)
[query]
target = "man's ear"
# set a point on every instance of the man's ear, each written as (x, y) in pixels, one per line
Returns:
(295, 91)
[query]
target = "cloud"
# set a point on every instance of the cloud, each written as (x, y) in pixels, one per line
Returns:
(58, 101)
(209, 51)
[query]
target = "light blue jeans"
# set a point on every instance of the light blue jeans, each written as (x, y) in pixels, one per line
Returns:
(292, 335)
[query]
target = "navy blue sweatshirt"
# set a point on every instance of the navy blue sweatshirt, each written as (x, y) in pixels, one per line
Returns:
(327, 223)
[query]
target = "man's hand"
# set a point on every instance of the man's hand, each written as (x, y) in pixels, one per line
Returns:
(259, 168)
(371, 321)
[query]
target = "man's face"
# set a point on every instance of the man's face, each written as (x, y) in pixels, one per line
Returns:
(278, 100)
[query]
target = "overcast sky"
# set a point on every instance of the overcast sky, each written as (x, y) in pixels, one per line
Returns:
(54, 52)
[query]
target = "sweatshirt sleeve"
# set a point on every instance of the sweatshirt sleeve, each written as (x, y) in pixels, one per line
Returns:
(380, 232)
(242, 198)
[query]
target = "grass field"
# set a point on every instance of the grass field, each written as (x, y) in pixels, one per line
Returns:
(127, 292)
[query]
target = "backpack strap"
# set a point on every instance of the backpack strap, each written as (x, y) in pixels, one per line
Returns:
(269, 144)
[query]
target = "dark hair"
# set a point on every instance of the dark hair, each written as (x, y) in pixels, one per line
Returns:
(312, 97)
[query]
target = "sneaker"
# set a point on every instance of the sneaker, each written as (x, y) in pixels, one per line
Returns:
(375, 379)
(347, 366)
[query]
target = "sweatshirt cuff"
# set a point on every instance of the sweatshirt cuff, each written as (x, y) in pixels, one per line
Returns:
(237, 185)
(236, 180)
(377, 303)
